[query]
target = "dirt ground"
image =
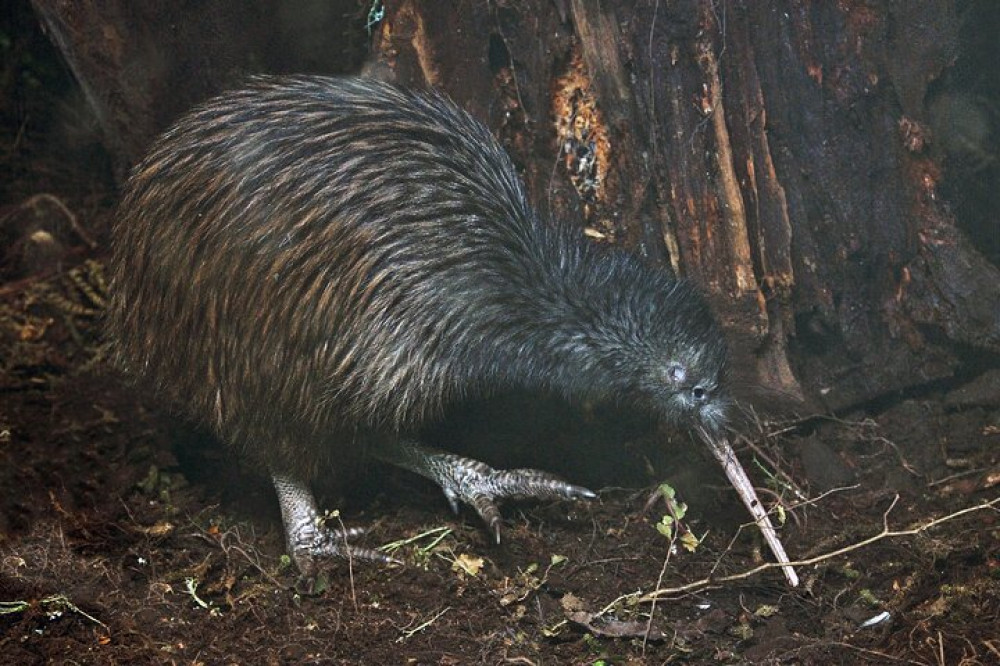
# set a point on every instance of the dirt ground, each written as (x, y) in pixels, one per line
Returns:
(128, 537)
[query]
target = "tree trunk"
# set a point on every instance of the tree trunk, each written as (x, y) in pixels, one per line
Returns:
(141, 63)
(777, 153)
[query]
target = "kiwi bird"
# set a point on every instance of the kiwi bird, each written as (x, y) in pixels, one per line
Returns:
(314, 267)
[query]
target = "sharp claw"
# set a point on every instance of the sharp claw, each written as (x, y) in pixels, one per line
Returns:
(388, 559)
(488, 511)
(452, 502)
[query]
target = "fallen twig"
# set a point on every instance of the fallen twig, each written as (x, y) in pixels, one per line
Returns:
(886, 533)
(407, 633)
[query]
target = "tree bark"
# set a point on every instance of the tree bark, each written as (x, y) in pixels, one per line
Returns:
(776, 153)
(142, 63)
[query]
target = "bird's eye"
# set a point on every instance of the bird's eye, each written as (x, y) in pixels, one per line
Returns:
(676, 373)
(699, 393)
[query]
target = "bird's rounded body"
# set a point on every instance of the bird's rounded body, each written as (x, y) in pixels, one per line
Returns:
(308, 263)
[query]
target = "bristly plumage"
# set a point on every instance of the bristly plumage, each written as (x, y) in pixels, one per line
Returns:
(310, 258)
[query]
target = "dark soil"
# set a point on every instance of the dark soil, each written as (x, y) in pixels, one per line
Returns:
(113, 551)
(127, 537)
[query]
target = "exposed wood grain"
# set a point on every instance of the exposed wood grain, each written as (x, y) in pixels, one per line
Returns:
(771, 152)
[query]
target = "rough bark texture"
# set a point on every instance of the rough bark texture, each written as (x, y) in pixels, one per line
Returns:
(766, 150)
(140, 64)
(777, 153)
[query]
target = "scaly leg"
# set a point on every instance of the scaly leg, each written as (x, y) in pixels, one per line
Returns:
(476, 483)
(309, 542)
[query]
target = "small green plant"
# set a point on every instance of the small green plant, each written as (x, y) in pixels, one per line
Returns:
(670, 522)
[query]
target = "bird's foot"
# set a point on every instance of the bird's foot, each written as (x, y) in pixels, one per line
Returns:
(311, 543)
(480, 486)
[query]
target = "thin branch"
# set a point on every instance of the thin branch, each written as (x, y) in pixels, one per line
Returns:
(886, 533)
(659, 581)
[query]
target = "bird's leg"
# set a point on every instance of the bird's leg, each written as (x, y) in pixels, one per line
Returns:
(309, 541)
(476, 483)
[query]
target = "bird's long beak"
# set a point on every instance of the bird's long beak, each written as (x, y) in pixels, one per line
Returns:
(723, 452)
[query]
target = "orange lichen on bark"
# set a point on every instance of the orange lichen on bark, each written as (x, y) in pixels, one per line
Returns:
(581, 130)
(409, 24)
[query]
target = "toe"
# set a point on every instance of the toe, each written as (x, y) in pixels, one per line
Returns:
(579, 493)
(488, 511)
(535, 484)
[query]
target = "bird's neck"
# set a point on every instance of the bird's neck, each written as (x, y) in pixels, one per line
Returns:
(558, 332)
